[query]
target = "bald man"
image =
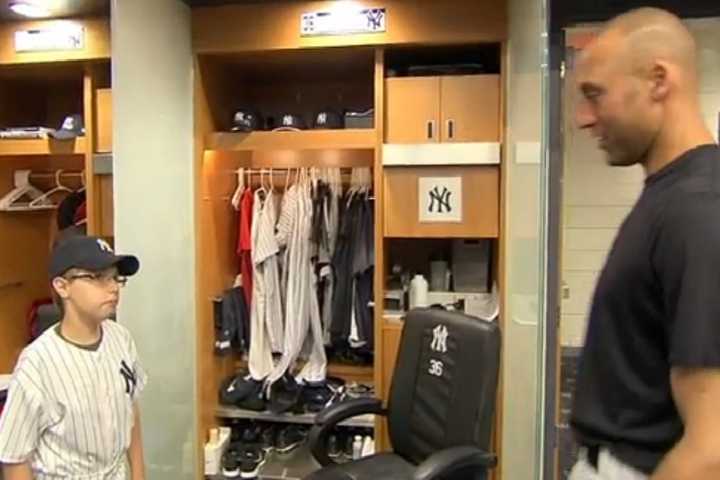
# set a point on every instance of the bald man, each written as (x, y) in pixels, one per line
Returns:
(647, 402)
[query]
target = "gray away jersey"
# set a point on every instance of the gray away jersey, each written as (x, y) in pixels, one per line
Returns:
(69, 411)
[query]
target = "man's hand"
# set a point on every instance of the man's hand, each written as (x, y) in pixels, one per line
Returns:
(697, 455)
(17, 471)
(135, 452)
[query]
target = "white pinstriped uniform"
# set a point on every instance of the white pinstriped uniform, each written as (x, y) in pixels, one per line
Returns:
(301, 306)
(266, 322)
(69, 411)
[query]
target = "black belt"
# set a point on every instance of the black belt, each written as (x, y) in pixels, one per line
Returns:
(593, 453)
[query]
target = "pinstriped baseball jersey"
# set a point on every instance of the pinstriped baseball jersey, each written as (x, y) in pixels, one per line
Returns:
(69, 412)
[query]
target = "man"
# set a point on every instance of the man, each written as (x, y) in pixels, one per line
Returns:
(646, 403)
(72, 408)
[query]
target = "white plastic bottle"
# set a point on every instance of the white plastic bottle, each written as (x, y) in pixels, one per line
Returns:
(357, 447)
(418, 292)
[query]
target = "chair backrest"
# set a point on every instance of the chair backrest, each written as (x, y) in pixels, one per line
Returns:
(445, 383)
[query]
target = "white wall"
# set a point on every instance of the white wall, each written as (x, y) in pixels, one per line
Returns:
(596, 197)
(154, 218)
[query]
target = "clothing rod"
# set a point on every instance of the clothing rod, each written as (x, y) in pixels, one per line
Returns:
(283, 170)
(53, 175)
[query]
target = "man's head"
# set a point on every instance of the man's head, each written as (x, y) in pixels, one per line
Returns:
(635, 80)
(86, 277)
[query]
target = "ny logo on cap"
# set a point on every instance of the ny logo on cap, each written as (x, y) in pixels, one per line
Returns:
(104, 246)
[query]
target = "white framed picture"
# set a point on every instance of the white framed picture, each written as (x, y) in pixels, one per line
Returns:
(440, 199)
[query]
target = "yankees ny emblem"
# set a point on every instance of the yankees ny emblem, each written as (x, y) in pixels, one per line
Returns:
(440, 200)
(439, 342)
(104, 246)
(130, 378)
(375, 19)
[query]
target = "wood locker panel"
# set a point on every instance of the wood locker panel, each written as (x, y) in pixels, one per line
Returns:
(391, 333)
(480, 202)
(107, 215)
(412, 110)
(104, 125)
(470, 108)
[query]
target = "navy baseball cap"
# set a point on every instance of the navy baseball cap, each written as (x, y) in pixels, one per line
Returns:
(89, 253)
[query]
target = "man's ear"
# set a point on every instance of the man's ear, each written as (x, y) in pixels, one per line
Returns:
(659, 81)
(61, 287)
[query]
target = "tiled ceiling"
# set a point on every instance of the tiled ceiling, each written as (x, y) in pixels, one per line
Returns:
(62, 9)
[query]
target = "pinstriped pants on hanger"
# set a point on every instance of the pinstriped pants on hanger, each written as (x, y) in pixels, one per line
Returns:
(609, 468)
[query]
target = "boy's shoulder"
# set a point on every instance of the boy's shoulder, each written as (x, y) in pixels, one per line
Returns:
(114, 329)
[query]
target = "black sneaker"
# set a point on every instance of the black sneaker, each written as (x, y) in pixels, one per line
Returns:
(231, 463)
(347, 444)
(268, 438)
(255, 400)
(284, 394)
(290, 438)
(251, 458)
(334, 448)
(316, 397)
(251, 434)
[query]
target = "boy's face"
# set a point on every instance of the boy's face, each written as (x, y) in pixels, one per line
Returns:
(92, 295)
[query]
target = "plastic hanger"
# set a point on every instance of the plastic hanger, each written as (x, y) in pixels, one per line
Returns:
(235, 200)
(46, 197)
(287, 179)
(23, 189)
(82, 182)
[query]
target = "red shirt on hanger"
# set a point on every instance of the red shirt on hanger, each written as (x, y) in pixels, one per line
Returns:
(244, 245)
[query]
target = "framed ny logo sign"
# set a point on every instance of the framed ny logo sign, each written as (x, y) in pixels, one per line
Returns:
(440, 199)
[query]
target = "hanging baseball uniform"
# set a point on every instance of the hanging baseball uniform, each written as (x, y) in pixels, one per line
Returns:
(260, 361)
(298, 294)
(69, 412)
(265, 259)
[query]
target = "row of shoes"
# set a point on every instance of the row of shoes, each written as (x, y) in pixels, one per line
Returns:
(287, 395)
(251, 444)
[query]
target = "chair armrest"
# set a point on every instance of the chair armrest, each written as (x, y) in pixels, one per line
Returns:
(326, 421)
(348, 409)
(445, 462)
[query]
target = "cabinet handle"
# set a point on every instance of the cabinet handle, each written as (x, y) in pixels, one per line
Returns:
(430, 129)
(451, 128)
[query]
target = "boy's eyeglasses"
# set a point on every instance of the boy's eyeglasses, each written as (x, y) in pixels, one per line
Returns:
(101, 278)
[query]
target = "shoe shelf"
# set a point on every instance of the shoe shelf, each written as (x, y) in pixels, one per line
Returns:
(353, 138)
(348, 372)
(16, 147)
(361, 421)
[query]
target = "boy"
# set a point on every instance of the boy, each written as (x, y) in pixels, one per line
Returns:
(72, 405)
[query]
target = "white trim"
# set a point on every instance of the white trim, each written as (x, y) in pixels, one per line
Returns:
(485, 153)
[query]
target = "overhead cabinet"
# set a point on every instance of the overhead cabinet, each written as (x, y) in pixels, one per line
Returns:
(442, 109)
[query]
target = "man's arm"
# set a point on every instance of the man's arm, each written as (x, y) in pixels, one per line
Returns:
(135, 452)
(17, 471)
(697, 455)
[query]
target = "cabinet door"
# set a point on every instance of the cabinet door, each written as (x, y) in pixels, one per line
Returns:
(412, 110)
(470, 106)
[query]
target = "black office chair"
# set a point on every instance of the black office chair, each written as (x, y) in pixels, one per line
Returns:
(441, 407)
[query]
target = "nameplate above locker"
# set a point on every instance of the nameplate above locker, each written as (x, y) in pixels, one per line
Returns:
(60, 36)
(345, 19)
